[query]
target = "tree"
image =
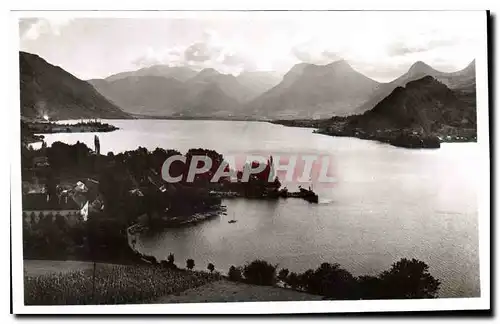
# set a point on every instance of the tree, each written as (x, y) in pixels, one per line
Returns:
(303, 279)
(170, 259)
(369, 287)
(283, 274)
(331, 281)
(190, 264)
(408, 279)
(292, 280)
(260, 272)
(211, 267)
(234, 273)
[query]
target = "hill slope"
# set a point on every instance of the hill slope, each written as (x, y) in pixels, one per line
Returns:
(149, 95)
(226, 82)
(258, 82)
(315, 91)
(208, 100)
(463, 81)
(49, 90)
(425, 105)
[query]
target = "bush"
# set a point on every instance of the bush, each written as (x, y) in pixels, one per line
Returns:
(283, 274)
(369, 287)
(331, 281)
(292, 280)
(408, 279)
(190, 264)
(211, 267)
(260, 272)
(303, 279)
(234, 273)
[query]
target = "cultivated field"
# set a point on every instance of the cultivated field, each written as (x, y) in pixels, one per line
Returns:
(114, 284)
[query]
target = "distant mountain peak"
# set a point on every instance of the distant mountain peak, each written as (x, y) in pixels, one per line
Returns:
(420, 66)
(309, 68)
(426, 80)
(207, 72)
(339, 63)
(472, 65)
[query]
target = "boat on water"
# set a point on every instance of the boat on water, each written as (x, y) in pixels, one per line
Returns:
(232, 220)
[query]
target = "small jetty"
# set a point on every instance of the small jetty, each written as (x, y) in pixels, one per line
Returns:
(306, 194)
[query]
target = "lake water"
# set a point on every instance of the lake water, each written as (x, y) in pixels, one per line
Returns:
(387, 203)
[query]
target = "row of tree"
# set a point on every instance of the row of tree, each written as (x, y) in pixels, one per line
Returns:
(405, 279)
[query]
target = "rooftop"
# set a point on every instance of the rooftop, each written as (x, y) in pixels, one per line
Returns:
(39, 201)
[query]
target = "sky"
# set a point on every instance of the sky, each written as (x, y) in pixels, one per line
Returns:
(381, 45)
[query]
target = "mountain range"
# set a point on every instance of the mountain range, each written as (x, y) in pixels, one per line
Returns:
(48, 90)
(315, 91)
(173, 91)
(307, 91)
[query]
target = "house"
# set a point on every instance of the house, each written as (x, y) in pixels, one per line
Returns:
(38, 206)
(80, 187)
(31, 188)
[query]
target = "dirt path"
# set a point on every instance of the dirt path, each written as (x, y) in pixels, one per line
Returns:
(227, 291)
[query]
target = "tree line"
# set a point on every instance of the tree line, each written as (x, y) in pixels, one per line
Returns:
(405, 279)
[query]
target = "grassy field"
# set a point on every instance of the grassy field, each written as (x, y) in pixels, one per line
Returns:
(71, 283)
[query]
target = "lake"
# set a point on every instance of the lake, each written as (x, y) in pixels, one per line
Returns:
(387, 203)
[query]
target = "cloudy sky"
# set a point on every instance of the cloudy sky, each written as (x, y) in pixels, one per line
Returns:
(381, 45)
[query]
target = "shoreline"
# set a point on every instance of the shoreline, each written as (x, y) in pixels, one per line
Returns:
(307, 195)
(401, 138)
(39, 128)
(135, 230)
(153, 117)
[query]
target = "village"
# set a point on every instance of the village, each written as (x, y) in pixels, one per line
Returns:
(70, 199)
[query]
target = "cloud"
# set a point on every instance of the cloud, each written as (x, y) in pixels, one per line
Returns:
(313, 53)
(234, 59)
(172, 56)
(207, 52)
(33, 28)
(302, 54)
(201, 52)
(422, 43)
(331, 55)
(399, 49)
